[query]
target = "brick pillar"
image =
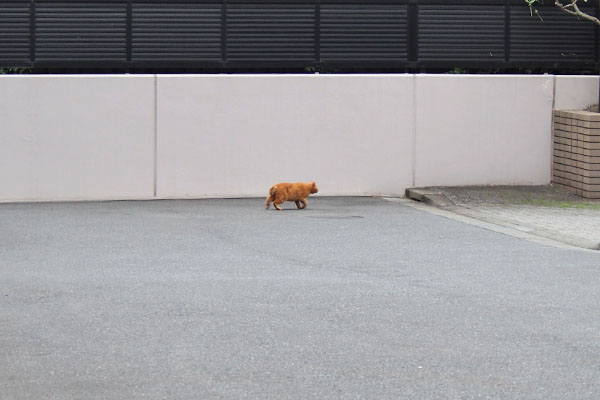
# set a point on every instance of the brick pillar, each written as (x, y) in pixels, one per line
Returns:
(576, 153)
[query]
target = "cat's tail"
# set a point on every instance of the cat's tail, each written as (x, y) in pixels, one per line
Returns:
(273, 190)
(271, 197)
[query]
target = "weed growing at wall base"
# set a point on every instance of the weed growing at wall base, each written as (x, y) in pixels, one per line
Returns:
(14, 70)
(560, 204)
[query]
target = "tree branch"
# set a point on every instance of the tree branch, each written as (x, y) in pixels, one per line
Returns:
(575, 10)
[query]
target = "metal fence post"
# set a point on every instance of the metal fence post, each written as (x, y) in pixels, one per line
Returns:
(32, 43)
(413, 32)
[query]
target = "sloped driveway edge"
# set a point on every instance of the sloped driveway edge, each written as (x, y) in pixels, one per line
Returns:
(436, 198)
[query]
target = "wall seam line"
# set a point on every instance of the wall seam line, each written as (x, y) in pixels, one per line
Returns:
(155, 144)
(414, 130)
(553, 91)
(552, 128)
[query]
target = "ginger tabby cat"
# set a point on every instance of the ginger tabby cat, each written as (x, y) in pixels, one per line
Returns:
(296, 192)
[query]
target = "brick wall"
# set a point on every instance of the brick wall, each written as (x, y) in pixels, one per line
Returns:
(576, 157)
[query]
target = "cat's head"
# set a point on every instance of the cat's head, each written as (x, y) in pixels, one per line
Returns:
(314, 189)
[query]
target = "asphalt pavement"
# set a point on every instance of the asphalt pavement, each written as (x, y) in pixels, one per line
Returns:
(351, 298)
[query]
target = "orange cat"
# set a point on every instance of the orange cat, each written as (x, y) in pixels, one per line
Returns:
(296, 192)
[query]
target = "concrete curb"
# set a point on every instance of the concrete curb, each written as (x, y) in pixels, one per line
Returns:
(435, 198)
(429, 196)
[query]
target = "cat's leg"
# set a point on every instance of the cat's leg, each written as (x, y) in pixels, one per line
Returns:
(269, 200)
(297, 204)
(279, 199)
(304, 203)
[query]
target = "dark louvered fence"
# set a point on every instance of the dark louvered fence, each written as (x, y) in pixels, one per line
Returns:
(281, 35)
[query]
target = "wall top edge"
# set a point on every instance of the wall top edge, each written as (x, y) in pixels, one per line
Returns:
(307, 76)
(75, 76)
(591, 76)
(324, 76)
(582, 115)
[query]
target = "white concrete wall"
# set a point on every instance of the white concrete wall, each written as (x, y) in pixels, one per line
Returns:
(238, 135)
(575, 92)
(120, 137)
(76, 137)
(483, 129)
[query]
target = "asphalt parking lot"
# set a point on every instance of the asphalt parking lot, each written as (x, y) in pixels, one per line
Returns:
(351, 298)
